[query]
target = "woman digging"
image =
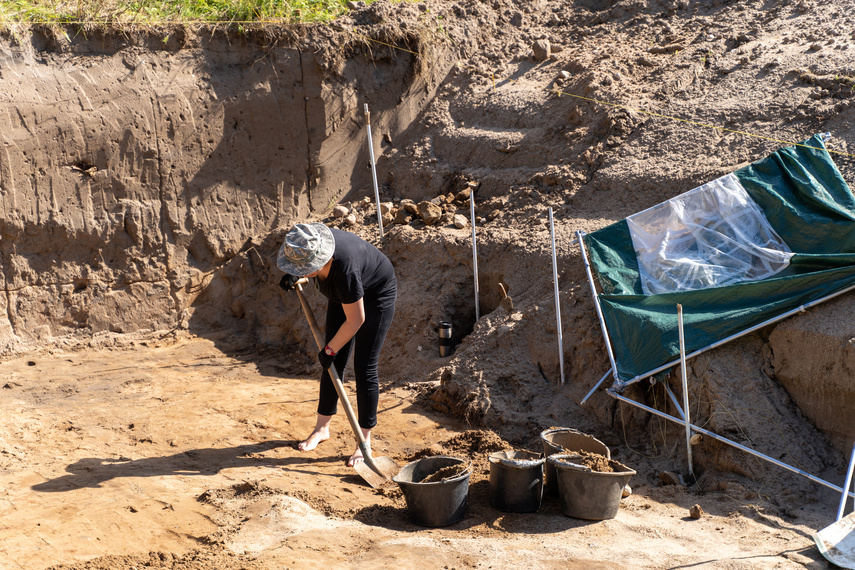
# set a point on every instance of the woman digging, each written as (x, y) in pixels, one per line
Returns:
(359, 282)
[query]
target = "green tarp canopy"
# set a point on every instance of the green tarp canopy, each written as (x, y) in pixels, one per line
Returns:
(805, 200)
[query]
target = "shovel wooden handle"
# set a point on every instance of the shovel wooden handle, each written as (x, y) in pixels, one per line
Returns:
(342, 395)
(310, 316)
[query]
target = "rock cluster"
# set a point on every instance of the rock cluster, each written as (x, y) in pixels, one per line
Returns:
(445, 210)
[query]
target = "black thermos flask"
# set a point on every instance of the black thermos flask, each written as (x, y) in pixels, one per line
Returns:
(444, 338)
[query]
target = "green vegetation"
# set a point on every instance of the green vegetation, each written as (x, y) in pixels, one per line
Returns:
(157, 12)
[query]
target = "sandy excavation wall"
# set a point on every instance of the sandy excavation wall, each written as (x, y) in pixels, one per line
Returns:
(813, 357)
(133, 168)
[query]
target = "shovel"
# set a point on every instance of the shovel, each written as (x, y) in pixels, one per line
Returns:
(837, 542)
(374, 470)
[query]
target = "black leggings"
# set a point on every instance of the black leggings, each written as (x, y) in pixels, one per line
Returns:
(368, 341)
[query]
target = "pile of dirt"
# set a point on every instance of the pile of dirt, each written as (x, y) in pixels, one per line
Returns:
(444, 474)
(596, 462)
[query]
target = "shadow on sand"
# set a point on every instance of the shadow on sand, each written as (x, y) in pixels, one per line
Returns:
(91, 472)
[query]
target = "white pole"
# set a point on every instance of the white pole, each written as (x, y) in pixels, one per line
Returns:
(594, 389)
(847, 486)
(474, 252)
(579, 236)
(674, 400)
(685, 389)
(373, 169)
(557, 303)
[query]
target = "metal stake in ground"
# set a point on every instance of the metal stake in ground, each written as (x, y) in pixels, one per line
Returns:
(373, 169)
(685, 390)
(557, 303)
(474, 252)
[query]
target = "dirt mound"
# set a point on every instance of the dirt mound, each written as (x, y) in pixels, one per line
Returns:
(596, 462)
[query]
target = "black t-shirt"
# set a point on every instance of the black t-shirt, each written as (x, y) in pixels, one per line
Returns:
(358, 270)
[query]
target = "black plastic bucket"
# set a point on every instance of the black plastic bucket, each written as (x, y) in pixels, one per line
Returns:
(586, 494)
(438, 503)
(516, 481)
(567, 440)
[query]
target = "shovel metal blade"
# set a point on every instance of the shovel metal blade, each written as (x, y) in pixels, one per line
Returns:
(376, 471)
(837, 542)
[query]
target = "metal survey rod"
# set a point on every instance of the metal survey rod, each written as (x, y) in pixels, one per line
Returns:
(848, 484)
(685, 389)
(579, 235)
(597, 385)
(791, 312)
(557, 302)
(674, 400)
(609, 372)
(373, 169)
(474, 252)
(715, 436)
(665, 384)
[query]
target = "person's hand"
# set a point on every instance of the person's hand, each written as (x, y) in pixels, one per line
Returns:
(326, 359)
(288, 282)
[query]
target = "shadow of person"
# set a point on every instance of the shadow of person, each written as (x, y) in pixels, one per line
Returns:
(92, 472)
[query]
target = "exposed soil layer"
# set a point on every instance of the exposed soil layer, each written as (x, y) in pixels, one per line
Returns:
(146, 181)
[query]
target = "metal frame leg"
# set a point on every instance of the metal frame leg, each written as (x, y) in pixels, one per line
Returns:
(717, 437)
(848, 485)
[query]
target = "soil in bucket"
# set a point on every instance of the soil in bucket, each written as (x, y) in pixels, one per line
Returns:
(516, 481)
(567, 440)
(435, 489)
(586, 493)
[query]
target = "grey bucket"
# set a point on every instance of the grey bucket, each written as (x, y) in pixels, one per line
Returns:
(516, 481)
(438, 503)
(567, 440)
(586, 494)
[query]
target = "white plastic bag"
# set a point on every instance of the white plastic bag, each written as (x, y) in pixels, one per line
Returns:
(710, 236)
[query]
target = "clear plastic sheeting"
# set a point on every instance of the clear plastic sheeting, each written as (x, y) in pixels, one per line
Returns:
(710, 236)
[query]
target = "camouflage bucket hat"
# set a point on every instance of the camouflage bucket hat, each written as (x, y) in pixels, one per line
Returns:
(306, 249)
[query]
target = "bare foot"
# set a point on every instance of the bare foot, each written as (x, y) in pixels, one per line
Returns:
(355, 458)
(357, 455)
(313, 440)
